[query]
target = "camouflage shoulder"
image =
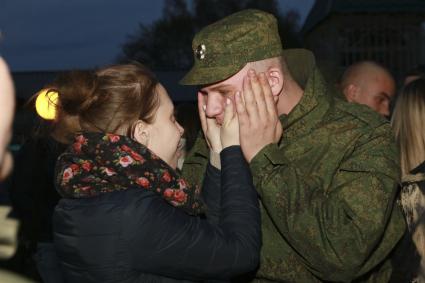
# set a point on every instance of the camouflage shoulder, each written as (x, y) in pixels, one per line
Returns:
(199, 151)
(196, 162)
(361, 113)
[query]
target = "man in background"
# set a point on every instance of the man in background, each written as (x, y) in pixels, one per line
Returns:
(369, 83)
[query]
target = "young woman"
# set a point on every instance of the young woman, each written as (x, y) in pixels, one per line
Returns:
(409, 127)
(126, 215)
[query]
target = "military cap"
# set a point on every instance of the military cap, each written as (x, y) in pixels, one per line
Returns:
(301, 63)
(223, 48)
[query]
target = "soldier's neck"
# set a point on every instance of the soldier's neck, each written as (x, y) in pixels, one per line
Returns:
(289, 97)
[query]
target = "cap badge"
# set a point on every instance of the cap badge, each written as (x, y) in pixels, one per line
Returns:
(200, 51)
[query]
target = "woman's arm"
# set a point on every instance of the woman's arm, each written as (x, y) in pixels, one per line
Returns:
(211, 191)
(168, 242)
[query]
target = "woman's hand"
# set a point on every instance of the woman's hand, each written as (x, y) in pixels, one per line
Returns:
(257, 113)
(209, 126)
(229, 131)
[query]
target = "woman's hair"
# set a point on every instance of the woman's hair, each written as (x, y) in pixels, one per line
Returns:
(408, 124)
(108, 100)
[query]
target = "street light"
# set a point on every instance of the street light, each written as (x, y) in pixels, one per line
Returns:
(45, 104)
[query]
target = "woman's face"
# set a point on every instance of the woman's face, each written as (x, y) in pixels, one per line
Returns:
(165, 132)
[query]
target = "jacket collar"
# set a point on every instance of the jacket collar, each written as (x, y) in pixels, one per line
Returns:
(314, 104)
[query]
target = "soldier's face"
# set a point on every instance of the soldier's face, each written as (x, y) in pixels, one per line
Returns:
(377, 93)
(215, 94)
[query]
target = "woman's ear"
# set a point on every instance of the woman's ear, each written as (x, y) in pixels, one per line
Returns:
(141, 132)
(275, 78)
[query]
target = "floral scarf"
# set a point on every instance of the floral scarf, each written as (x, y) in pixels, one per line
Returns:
(98, 163)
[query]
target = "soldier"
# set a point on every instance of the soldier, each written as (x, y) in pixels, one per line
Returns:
(369, 83)
(327, 185)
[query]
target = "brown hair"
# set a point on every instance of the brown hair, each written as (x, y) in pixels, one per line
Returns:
(408, 125)
(109, 100)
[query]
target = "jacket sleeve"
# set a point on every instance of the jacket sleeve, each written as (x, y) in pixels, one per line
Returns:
(338, 231)
(211, 194)
(170, 243)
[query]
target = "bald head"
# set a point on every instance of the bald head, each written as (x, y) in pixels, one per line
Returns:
(370, 84)
(7, 102)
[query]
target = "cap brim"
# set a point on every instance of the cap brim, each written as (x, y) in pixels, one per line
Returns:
(203, 76)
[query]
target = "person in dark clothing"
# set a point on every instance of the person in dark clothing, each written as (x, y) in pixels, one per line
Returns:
(34, 198)
(126, 215)
(34, 195)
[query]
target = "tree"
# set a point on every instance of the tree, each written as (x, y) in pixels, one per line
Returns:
(166, 43)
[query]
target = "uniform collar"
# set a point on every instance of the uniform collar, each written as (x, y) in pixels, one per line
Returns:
(314, 103)
(199, 152)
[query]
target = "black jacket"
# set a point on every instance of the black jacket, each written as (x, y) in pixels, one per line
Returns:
(33, 192)
(135, 236)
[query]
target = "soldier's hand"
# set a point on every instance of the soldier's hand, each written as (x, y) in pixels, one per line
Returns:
(209, 126)
(258, 119)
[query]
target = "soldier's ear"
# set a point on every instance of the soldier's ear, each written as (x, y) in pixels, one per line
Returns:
(351, 92)
(275, 78)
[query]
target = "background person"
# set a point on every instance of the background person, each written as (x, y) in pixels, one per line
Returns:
(8, 226)
(370, 84)
(409, 129)
(34, 196)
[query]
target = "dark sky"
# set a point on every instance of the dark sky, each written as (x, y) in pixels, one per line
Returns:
(65, 34)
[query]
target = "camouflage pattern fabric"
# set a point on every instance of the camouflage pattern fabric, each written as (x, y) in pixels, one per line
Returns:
(224, 47)
(327, 192)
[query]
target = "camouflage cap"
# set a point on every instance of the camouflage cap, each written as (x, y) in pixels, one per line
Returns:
(301, 63)
(225, 47)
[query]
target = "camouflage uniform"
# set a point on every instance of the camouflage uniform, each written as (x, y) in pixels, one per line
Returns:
(327, 192)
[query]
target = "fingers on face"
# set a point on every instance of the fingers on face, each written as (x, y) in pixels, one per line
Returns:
(228, 112)
(211, 124)
(241, 110)
(258, 86)
(249, 99)
(269, 104)
(201, 110)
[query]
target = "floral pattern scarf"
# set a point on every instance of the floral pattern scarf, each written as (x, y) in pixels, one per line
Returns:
(98, 163)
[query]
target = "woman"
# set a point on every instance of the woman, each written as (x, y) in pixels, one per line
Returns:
(409, 127)
(126, 215)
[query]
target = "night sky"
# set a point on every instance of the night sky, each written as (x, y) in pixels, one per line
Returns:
(65, 34)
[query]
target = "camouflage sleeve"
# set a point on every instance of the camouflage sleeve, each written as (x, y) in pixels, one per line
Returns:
(336, 230)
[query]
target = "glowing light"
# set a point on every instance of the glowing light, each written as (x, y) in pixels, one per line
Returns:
(45, 104)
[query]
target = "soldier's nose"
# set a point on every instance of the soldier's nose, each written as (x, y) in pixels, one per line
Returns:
(214, 106)
(213, 110)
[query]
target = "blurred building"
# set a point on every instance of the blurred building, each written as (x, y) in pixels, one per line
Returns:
(391, 32)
